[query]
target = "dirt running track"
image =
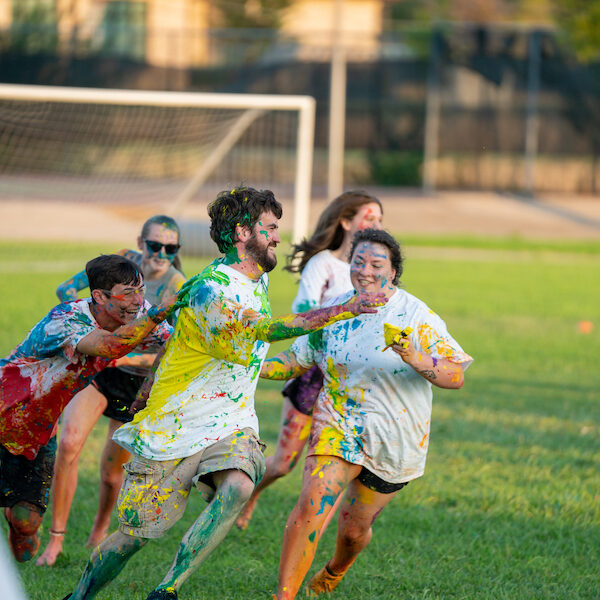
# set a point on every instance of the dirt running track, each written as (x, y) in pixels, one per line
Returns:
(405, 212)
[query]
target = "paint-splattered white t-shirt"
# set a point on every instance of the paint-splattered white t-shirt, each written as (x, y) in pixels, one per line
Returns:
(324, 277)
(204, 387)
(374, 410)
(46, 370)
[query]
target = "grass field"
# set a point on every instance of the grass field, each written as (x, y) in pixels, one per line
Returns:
(509, 505)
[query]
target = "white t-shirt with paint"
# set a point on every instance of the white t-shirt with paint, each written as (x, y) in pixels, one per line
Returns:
(374, 410)
(204, 387)
(324, 277)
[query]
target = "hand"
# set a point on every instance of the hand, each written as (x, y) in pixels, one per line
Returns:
(404, 347)
(251, 316)
(169, 305)
(364, 302)
(184, 293)
(210, 273)
(142, 396)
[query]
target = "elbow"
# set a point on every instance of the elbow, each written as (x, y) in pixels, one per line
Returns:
(457, 380)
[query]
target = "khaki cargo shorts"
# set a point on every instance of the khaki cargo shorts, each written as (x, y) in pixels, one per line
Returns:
(154, 493)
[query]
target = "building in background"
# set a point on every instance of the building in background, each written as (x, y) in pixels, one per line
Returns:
(183, 33)
(482, 100)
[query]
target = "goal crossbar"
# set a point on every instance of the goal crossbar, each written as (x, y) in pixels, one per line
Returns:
(304, 105)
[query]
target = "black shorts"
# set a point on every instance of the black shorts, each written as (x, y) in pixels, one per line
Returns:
(120, 389)
(375, 483)
(23, 480)
(303, 391)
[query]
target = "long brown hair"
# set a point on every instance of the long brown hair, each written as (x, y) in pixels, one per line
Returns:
(329, 233)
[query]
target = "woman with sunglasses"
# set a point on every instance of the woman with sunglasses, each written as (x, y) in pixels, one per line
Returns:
(112, 391)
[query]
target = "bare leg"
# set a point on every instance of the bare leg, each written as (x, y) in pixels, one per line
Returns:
(324, 479)
(293, 433)
(331, 514)
(213, 524)
(359, 510)
(79, 418)
(24, 520)
(105, 563)
(111, 478)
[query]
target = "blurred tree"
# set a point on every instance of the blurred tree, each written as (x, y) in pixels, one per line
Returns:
(479, 11)
(253, 14)
(580, 19)
(34, 27)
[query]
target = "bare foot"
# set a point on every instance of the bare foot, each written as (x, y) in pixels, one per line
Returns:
(97, 536)
(53, 550)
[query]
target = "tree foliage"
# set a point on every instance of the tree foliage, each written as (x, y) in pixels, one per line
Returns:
(580, 19)
(253, 14)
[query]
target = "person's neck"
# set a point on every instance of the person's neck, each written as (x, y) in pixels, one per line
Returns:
(244, 265)
(343, 252)
(102, 318)
(389, 291)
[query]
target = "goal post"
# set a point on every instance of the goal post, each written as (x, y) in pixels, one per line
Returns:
(137, 146)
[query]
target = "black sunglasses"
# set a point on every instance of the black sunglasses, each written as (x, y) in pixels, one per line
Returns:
(155, 247)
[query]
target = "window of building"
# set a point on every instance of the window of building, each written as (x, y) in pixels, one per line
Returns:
(124, 28)
(34, 26)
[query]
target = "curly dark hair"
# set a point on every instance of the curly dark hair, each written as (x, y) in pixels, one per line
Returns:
(379, 236)
(240, 206)
(329, 233)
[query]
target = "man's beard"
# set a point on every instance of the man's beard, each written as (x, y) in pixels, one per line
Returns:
(261, 255)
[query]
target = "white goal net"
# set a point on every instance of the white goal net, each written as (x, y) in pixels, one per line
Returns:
(163, 149)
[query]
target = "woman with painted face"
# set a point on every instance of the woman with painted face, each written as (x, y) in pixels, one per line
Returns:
(323, 261)
(112, 391)
(370, 428)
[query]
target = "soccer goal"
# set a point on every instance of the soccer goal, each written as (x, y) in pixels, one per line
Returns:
(166, 149)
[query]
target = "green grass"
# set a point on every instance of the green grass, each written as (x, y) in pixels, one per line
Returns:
(509, 505)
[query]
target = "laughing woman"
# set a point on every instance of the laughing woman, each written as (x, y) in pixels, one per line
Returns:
(370, 427)
(112, 391)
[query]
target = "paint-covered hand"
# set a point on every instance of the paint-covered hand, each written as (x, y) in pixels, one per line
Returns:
(405, 348)
(185, 291)
(251, 316)
(364, 302)
(142, 395)
(163, 310)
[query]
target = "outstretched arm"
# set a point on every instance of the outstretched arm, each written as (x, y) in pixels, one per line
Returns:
(288, 326)
(117, 343)
(439, 371)
(283, 366)
(67, 290)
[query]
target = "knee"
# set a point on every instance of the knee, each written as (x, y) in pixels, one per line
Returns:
(111, 477)
(306, 509)
(353, 534)
(239, 490)
(24, 520)
(69, 446)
